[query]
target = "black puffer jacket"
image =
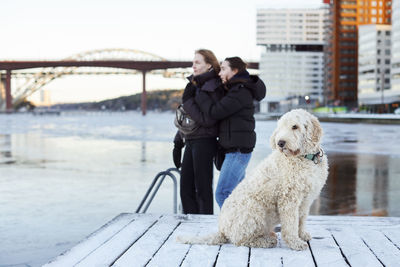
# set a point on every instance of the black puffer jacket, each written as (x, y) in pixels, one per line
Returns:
(210, 84)
(235, 111)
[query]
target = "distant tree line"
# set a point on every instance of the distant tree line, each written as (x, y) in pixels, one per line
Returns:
(160, 100)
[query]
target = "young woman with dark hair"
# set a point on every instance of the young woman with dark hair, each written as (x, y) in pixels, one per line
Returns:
(235, 113)
(200, 146)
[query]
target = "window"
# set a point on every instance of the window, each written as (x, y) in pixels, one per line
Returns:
(348, 35)
(349, 10)
(348, 19)
(348, 27)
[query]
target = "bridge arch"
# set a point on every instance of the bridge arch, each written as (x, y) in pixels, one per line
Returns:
(46, 75)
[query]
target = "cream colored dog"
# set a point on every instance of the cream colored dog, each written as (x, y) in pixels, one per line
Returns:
(280, 190)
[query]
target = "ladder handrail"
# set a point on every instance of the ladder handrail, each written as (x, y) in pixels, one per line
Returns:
(163, 174)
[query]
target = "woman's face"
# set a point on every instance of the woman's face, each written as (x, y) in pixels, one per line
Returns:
(199, 65)
(226, 72)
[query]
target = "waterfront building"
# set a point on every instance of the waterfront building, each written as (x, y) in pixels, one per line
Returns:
(345, 16)
(395, 71)
(374, 64)
(291, 63)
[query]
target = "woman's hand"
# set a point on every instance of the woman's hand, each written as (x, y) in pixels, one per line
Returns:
(177, 153)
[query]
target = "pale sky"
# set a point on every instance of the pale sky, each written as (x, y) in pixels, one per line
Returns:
(173, 29)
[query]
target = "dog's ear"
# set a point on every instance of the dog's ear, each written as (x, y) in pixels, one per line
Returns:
(317, 130)
(272, 142)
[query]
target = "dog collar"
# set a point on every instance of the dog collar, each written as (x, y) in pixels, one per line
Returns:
(316, 158)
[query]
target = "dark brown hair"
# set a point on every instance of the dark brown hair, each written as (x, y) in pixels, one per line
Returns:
(236, 63)
(209, 58)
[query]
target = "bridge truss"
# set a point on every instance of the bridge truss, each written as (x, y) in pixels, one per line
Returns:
(28, 81)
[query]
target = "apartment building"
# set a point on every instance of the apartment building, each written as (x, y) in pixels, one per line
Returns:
(374, 54)
(395, 71)
(292, 62)
(345, 16)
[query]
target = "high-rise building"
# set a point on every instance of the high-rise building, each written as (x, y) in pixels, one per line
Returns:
(342, 52)
(395, 71)
(374, 64)
(292, 62)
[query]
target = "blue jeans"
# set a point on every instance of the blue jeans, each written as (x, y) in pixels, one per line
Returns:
(232, 172)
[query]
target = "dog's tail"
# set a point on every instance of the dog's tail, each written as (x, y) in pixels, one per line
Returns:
(211, 239)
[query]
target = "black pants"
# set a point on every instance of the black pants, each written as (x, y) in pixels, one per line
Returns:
(197, 176)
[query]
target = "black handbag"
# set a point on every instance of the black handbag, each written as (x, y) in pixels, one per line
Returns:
(184, 122)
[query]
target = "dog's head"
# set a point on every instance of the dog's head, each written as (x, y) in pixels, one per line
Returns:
(297, 133)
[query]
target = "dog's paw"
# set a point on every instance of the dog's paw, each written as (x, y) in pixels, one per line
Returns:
(299, 245)
(305, 236)
(271, 242)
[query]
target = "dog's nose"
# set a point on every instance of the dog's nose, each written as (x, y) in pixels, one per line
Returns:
(281, 143)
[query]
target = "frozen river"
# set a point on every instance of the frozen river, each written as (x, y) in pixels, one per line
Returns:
(62, 177)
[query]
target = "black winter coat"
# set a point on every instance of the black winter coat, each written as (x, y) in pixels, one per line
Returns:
(210, 84)
(235, 111)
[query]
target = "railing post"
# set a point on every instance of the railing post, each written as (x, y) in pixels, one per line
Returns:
(8, 92)
(144, 96)
(175, 196)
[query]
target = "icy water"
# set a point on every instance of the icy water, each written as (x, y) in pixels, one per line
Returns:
(63, 177)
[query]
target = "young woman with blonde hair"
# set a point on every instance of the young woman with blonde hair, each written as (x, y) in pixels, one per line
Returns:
(200, 146)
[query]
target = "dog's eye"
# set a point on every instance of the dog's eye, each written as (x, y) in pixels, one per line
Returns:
(295, 127)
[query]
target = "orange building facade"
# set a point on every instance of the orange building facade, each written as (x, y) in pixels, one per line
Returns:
(341, 51)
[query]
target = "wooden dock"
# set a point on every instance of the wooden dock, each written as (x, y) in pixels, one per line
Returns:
(150, 240)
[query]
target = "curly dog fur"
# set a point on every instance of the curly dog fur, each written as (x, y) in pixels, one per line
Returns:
(280, 190)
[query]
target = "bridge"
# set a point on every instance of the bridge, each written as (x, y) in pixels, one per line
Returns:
(128, 59)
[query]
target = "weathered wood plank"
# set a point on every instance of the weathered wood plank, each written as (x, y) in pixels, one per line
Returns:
(280, 256)
(260, 257)
(382, 248)
(143, 250)
(393, 234)
(202, 255)
(230, 255)
(293, 258)
(119, 243)
(324, 248)
(172, 253)
(353, 248)
(93, 241)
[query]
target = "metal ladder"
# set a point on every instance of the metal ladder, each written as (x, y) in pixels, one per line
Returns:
(162, 174)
